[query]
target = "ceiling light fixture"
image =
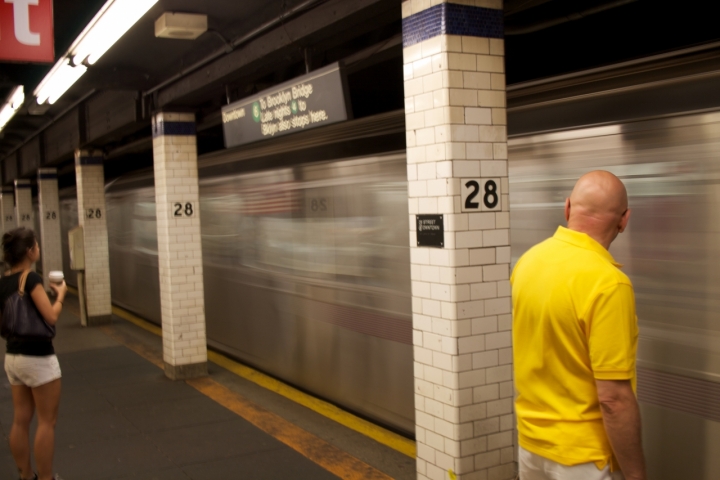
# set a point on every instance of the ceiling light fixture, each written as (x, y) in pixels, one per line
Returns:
(12, 105)
(61, 77)
(111, 23)
(113, 20)
(184, 26)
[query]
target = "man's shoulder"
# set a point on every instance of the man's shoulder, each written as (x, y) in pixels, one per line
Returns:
(573, 259)
(619, 276)
(604, 269)
(605, 273)
(540, 249)
(550, 250)
(527, 258)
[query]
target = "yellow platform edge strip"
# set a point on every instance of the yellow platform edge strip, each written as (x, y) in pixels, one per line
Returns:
(315, 449)
(369, 429)
(333, 459)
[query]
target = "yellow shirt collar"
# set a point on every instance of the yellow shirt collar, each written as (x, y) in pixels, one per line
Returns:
(583, 240)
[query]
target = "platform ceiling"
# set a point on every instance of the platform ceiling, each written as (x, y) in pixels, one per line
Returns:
(138, 61)
(543, 38)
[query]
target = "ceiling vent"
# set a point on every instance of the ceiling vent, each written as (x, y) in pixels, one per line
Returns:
(184, 26)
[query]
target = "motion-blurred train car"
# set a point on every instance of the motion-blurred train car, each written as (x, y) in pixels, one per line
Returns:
(306, 264)
(305, 243)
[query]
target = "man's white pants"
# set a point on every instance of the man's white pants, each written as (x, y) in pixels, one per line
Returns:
(535, 467)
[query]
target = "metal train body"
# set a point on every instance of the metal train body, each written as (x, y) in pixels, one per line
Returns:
(306, 265)
(306, 257)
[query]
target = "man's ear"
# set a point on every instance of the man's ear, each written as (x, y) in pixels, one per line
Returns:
(624, 221)
(567, 209)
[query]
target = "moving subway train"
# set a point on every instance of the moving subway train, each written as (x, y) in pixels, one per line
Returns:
(307, 273)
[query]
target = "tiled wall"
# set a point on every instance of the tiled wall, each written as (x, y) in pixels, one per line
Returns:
(23, 204)
(7, 208)
(180, 251)
(456, 132)
(90, 180)
(50, 241)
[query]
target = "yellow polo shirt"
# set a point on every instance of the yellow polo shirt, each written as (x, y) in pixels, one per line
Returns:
(573, 322)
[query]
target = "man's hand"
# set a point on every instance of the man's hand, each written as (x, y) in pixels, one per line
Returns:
(621, 415)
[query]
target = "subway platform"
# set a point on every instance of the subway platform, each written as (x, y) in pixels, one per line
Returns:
(121, 418)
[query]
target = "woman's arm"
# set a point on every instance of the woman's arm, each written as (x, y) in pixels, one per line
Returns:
(50, 312)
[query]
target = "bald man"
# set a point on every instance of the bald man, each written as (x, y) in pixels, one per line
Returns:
(574, 345)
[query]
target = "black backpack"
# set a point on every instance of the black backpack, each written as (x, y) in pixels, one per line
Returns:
(20, 317)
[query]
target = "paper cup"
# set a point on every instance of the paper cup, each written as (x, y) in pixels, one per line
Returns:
(56, 276)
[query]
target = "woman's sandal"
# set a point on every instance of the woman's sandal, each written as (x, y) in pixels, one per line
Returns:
(56, 477)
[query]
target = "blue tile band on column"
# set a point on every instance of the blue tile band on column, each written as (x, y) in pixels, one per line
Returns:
(23, 185)
(47, 176)
(173, 128)
(8, 190)
(89, 160)
(452, 19)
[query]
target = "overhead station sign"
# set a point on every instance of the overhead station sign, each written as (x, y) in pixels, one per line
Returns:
(310, 101)
(26, 31)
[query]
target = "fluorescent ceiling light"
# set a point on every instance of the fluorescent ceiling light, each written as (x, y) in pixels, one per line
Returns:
(57, 82)
(12, 105)
(112, 21)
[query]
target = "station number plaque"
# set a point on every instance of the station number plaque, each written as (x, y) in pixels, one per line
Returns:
(430, 231)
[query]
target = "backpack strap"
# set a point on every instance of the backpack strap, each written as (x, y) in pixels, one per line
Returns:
(21, 282)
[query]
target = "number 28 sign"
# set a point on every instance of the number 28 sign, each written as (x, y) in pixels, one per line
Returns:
(481, 194)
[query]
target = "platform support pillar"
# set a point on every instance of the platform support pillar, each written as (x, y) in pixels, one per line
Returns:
(49, 211)
(23, 204)
(7, 209)
(182, 292)
(455, 104)
(92, 216)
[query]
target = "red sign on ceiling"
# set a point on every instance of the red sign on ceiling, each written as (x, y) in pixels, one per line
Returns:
(26, 31)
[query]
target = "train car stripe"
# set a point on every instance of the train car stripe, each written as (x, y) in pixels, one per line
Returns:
(326, 409)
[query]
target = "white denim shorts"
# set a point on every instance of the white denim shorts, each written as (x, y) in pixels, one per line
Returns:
(535, 467)
(31, 371)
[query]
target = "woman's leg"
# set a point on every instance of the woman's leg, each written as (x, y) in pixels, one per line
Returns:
(47, 401)
(24, 407)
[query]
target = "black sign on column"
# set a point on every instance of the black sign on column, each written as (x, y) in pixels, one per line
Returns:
(430, 231)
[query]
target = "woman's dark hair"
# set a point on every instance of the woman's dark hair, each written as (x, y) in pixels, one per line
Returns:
(16, 244)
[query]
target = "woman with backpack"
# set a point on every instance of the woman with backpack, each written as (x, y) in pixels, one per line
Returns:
(30, 362)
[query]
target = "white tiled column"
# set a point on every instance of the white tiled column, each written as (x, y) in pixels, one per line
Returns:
(7, 208)
(90, 180)
(456, 137)
(49, 201)
(23, 204)
(182, 296)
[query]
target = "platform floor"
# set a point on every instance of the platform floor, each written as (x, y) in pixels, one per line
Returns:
(121, 418)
